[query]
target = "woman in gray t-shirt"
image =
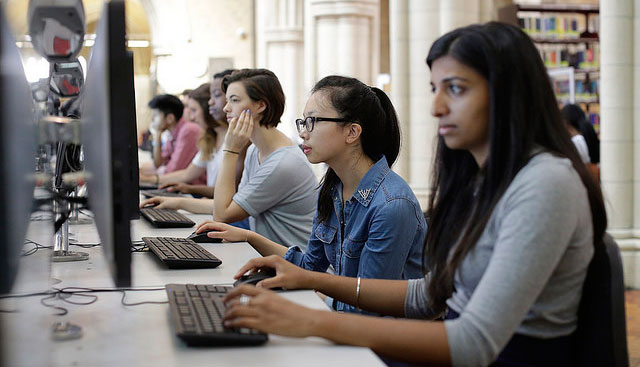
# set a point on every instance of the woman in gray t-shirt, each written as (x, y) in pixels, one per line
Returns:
(277, 187)
(514, 218)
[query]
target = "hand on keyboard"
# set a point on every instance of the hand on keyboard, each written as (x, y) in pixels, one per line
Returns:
(224, 231)
(177, 187)
(160, 202)
(266, 311)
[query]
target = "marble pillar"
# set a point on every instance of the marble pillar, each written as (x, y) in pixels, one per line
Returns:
(399, 72)
(280, 48)
(618, 152)
(341, 37)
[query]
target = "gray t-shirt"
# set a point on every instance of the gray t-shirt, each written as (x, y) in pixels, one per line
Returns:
(279, 195)
(526, 272)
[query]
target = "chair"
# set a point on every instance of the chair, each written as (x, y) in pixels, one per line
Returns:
(600, 338)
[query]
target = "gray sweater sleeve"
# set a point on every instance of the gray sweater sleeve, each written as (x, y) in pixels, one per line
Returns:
(529, 280)
(416, 299)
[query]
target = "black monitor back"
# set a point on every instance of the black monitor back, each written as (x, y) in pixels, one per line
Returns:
(108, 113)
(17, 155)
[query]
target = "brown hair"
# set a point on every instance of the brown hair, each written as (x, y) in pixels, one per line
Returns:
(207, 141)
(261, 85)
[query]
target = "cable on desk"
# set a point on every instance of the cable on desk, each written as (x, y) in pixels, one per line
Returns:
(81, 292)
(124, 293)
(88, 214)
(63, 294)
(84, 245)
(139, 247)
(35, 249)
(63, 311)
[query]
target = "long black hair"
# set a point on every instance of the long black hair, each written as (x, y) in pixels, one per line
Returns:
(523, 116)
(372, 110)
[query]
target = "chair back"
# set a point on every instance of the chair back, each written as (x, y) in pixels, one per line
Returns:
(601, 335)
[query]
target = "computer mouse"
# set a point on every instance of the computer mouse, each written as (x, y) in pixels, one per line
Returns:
(202, 237)
(255, 277)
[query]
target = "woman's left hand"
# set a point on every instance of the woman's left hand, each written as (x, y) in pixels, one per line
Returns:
(268, 312)
(239, 132)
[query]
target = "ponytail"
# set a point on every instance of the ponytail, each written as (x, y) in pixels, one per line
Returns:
(391, 127)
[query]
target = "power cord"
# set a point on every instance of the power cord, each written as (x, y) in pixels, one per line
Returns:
(64, 295)
(35, 249)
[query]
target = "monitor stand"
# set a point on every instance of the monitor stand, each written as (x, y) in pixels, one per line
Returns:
(61, 251)
(74, 216)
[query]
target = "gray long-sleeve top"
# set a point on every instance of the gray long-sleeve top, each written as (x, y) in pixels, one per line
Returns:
(526, 272)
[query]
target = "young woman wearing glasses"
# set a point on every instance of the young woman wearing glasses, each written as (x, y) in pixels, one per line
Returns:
(368, 223)
(514, 220)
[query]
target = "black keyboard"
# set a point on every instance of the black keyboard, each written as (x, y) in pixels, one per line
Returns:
(197, 312)
(147, 186)
(181, 253)
(166, 218)
(160, 192)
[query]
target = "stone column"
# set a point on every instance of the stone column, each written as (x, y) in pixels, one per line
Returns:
(634, 39)
(280, 48)
(341, 37)
(399, 71)
(619, 175)
(457, 13)
(424, 29)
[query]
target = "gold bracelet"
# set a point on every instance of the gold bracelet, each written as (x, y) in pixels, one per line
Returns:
(246, 239)
(230, 151)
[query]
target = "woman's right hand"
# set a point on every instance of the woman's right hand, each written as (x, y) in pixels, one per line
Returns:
(287, 276)
(162, 202)
(239, 133)
(225, 231)
(177, 187)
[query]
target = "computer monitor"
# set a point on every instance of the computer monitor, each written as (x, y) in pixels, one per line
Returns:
(108, 114)
(18, 147)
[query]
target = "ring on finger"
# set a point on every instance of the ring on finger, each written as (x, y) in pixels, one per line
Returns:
(244, 300)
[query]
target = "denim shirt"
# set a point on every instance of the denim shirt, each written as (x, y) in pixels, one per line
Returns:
(384, 230)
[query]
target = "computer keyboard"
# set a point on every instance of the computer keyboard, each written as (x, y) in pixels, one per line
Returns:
(197, 312)
(160, 192)
(166, 218)
(181, 253)
(147, 186)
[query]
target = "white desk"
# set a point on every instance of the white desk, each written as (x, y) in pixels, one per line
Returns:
(118, 335)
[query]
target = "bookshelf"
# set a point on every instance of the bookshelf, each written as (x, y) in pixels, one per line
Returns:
(566, 36)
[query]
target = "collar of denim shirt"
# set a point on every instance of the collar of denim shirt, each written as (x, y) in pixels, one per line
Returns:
(369, 184)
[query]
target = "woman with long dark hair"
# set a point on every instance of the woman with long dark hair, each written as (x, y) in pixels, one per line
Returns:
(514, 220)
(368, 222)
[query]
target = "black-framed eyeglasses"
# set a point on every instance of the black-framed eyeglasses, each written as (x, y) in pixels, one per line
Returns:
(308, 123)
